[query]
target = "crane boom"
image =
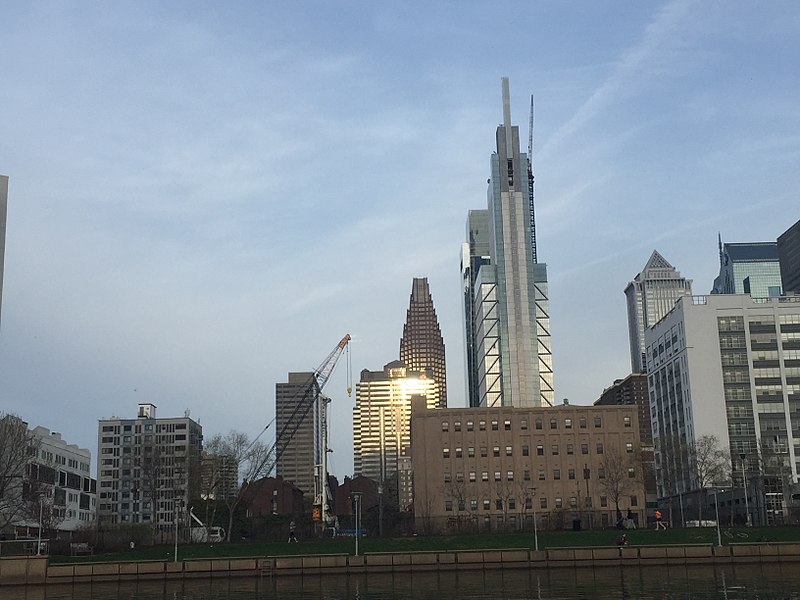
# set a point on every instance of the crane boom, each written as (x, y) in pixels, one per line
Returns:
(306, 397)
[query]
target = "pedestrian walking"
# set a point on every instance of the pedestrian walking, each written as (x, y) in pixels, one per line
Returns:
(292, 536)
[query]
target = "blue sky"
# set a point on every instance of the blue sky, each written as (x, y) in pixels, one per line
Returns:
(205, 196)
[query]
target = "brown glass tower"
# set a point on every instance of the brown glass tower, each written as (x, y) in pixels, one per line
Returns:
(422, 346)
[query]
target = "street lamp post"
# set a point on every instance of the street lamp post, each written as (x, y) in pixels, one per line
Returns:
(535, 527)
(357, 499)
(746, 501)
(39, 542)
(716, 510)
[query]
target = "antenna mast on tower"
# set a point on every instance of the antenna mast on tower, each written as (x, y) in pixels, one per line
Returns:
(530, 183)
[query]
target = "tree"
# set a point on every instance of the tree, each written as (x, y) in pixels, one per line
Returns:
(710, 464)
(249, 458)
(617, 481)
(18, 446)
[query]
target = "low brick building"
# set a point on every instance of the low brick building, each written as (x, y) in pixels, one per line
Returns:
(495, 468)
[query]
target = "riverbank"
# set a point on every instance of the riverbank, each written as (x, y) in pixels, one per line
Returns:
(38, 570)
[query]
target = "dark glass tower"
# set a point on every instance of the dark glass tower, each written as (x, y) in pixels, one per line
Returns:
(422, 346)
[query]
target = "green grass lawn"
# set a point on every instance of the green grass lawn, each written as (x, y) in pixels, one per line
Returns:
(547, 539)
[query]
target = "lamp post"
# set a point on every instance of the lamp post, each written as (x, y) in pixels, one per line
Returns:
(357, 500)
(716, 510)
(535, 527)
(39, 542)
(746, 501)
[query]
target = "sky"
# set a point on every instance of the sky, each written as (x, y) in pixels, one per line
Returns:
(205, 196)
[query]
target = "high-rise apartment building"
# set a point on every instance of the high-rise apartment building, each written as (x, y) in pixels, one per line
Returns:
(650, 296)
(3, 214)
(302, 451)
(789, 258)
(506, 310)
(381, 423)
(749, 268)
(146, 467)
(729, 365)
(422, 346)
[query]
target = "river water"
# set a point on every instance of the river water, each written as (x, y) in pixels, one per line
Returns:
(668, 583)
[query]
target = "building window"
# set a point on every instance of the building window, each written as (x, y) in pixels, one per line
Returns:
(553, 423)
(507, 424)
(554, 449)
(538, 422)
(571, 474)
(494, 425)
(457, 426)
(471, 452)
(470, 426)
(525, 450)
(556, 474)
(509, 451)
(598, 422)
(496, 451)
(445, 426)
(599, 447)
(484, 452)
(567, 423)
(626, 421)
(540, 450)
(582, 423)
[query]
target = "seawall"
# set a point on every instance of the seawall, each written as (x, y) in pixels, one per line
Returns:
(36, 570)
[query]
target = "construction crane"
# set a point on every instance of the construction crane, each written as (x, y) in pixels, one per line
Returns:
(305, 399)
(309, 399)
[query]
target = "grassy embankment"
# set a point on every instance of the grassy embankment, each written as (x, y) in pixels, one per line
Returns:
(547, 539)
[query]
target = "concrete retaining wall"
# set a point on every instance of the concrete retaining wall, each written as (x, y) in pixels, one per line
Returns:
(36, 570)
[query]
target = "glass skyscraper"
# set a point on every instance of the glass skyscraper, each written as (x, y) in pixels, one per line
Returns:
(749, 268)
(506, 314)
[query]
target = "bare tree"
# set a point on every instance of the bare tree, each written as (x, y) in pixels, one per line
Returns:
(621, 475)
(710, 465)
(18, 446)
(250, 458)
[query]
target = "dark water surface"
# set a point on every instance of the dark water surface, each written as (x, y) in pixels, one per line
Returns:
(668, 583)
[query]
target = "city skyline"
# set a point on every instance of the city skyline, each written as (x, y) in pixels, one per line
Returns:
(202, 200)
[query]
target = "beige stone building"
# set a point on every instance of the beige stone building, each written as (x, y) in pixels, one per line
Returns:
(499, 468)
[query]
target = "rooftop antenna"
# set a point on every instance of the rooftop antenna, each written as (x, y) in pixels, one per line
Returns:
(530, 182)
